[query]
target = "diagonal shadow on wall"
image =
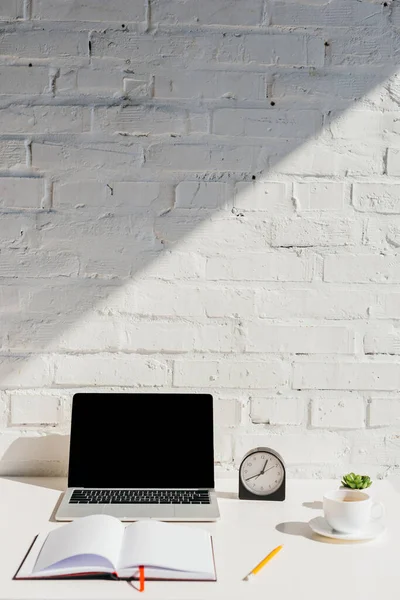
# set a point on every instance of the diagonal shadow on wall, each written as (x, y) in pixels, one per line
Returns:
(76, 277)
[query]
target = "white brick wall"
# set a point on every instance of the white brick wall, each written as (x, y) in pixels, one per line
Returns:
(203, 196)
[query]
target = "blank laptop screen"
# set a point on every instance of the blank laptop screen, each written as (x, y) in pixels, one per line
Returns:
(141, 440)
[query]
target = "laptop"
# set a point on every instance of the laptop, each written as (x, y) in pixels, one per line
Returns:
(141, 456)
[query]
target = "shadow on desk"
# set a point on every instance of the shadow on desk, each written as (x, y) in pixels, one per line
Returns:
(303, 529)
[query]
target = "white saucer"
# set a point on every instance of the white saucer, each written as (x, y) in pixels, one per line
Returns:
(372, 530)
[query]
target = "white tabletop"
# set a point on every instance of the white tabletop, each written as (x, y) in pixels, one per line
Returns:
(308, 567)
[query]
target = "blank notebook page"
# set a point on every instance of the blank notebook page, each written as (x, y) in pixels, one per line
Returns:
(96, 535)
(171, 547)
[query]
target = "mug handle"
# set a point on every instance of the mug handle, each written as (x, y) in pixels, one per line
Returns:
(381, 508)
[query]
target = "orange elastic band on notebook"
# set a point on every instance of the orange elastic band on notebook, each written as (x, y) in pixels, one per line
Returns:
(141, 579)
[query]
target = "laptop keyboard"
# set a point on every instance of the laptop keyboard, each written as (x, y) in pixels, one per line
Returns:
(85, 496)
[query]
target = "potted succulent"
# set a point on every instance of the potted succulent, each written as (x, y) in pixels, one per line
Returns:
(355, 482)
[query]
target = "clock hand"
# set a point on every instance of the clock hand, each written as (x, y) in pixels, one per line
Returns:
(269, 469)
(258, 475)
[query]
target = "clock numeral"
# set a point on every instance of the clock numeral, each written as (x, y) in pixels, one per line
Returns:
(249, 464)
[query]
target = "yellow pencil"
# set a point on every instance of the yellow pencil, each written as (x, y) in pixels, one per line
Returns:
(263, 562)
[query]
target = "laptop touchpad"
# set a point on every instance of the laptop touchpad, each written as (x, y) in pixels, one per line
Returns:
(130, 512)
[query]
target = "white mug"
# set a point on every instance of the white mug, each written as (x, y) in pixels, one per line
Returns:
(349, 511)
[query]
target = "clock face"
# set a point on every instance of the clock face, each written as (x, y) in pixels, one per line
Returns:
(262, 473)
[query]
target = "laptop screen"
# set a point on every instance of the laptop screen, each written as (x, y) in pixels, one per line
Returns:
(141, 441)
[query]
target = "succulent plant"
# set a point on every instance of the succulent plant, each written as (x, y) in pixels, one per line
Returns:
(356, 482)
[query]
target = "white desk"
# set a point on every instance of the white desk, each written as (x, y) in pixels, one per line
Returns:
(308, 567)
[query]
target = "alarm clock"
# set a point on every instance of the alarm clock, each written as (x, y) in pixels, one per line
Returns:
(262, 475)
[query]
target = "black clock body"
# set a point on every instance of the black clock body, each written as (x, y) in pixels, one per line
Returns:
(277, 495)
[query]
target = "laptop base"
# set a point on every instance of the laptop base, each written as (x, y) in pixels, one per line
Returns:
(137, 512)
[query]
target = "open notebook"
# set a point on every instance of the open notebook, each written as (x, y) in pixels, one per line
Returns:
(101, 545)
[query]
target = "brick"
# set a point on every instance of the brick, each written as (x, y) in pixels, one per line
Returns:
(16, 230)
(282, 49)
(215, 337)
(320, 195)
(200, 157)
(148, 336)
(305, 232)
(297, 448)
(123, 234)
(260, 267)
(227, 412)
(219, 12)
(167, 299)
(338, 413)
(111, 265)
(14, 263)
(346, 376)
(325, 302)
(279, 410)
(393, 162)
(177, 265)
(273, 197)
(88, 10)
(9, 299)
(223, 451)
(262, 337)
(361, 47)
(44, 44)
(210, 85)
(112, 369)
(99, 155)
(24, 372)
(194, 195)
(387, 306)
(53, 298)
(139, 87)
(194, 232)
(382, 341)
(21, 192)
(395, 16)
(143, 120)
(48, 119)
(11, 9)
(120, 195)
(23, 80)
(12, 154)
(384, 412)
(94, 334)
(34, 409)
(323, 84)
(266, 123)
(380, 198)
(351, 125)
(364, 268)
(391, 127)
(315, 51)
(147, 49)
(382, 233)
(226, 302)
(332, 14)
(230, 374)
(375, 448)
(88, 79)
(317, 160)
